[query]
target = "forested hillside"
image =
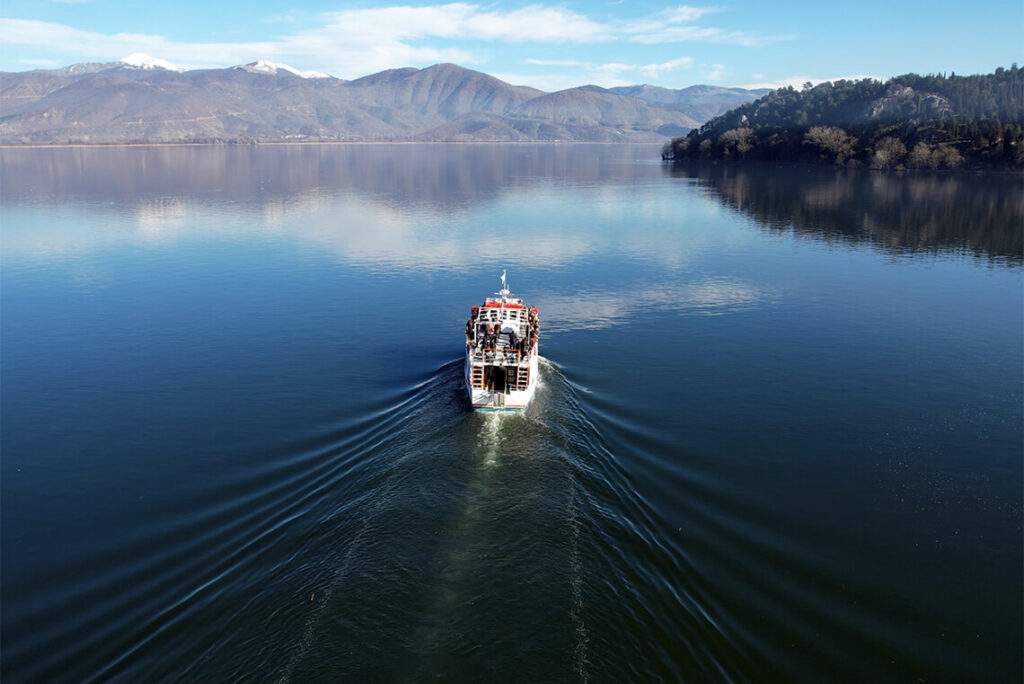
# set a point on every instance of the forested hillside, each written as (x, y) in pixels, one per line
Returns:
(910, 121)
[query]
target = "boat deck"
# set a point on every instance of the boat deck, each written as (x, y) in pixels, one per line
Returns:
(501, 363)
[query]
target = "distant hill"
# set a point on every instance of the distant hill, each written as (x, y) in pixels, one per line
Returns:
(910, 121)
(140, 99)
(699, 102)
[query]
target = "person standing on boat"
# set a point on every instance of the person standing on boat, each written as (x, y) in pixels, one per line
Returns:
(490, 339)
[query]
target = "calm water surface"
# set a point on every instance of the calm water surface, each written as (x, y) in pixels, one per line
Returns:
(778, 436)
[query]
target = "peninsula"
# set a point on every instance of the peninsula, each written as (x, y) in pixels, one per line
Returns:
(911, 121)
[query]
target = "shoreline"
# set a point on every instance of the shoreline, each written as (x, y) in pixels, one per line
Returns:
(15, 146)
(740, 163)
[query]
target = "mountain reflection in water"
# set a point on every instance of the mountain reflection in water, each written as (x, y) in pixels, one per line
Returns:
(776, 436)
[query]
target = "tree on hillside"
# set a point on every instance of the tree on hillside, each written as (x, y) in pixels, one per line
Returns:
(889, 152)
(738, 140)
(922, 157)
(831, 139)
(931, 121)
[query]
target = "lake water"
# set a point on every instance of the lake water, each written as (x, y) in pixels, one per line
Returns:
(778, 435)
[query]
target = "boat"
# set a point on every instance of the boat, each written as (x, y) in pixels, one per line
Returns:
(501, 352)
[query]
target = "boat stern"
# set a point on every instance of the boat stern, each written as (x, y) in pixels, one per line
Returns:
(498, 402)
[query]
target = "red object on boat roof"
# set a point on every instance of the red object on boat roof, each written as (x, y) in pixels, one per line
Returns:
(497, 305)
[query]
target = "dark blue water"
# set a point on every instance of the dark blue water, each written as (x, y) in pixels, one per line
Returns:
(778, 435)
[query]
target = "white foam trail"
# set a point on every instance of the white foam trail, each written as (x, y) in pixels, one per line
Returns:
(548, 369)
(575, 562)
(310, 635)
(576, 586)
(490, 438)
(459, 560)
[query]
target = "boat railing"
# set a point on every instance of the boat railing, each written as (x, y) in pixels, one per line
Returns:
(503, 353)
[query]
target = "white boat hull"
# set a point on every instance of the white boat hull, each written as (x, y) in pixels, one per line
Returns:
(510, 402)
(501, 353)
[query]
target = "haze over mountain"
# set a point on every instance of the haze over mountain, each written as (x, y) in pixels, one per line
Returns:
(700, 102)
(141, 99)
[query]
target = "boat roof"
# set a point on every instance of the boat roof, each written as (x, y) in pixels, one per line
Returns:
(503, 298)
(493, 303)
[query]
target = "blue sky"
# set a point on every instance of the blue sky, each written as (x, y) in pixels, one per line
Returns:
(545, 45)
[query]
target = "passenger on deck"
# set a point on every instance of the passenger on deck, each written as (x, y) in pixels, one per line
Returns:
(490, 338)
(513, 340)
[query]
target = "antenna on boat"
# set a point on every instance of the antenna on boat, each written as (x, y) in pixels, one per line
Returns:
(504, 286)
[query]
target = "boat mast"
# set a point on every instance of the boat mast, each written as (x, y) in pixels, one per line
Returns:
(504, 295)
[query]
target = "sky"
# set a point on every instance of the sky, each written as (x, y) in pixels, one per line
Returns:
(547, 45)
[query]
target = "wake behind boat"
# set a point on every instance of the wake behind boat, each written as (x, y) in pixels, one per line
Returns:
(501, 353)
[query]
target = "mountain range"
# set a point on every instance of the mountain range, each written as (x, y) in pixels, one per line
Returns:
(141, 99)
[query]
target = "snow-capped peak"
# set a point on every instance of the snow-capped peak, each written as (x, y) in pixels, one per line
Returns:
(141, 61)
(265, 67)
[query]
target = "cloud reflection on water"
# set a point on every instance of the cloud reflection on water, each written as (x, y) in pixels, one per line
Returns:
(417, 207)
(605, 309)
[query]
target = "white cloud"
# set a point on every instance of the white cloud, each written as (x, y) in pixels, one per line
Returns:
(666, 18)
(675, 25)
(46, 63)
(655, 70)
(614, 68)
(684, 14)
(704, 34)
(716, 72)
(607, 75)
(535, 23)
(286, 18)
(350, 43)
(560, 63)
(89, 45)
(354, 42)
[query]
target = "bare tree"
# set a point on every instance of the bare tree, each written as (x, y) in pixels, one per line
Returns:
(922, 157)
(739, 139)
(680, 146)
(951, 157)
(831, 139)
(889, 151)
